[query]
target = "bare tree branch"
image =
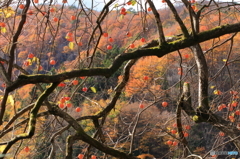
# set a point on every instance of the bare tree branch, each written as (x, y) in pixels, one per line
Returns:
(158, 22)
(4, 75)
(178, 19)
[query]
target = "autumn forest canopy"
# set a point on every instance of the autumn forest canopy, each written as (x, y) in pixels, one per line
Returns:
(119, 79)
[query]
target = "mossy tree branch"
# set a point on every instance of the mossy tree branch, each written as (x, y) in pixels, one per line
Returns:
(86, 138)
(9, 129)
(33, 118)
(16, 116)
(81, 133)
(107, 72)
(209, 117)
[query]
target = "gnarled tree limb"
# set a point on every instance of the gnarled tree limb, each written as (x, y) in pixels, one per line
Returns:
(107, 72)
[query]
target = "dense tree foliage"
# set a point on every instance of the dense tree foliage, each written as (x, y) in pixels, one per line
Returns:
(119, 79)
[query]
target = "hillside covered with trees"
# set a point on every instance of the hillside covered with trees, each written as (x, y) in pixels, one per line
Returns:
(128, 80)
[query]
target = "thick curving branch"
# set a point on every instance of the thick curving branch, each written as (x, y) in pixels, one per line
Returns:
(202, 78)
(86, 138)
(18, 125)
(16, 116)
(9, 129)
(80, 133)
(209, 117)
(102, 114)
(32, 120)
(107, 72)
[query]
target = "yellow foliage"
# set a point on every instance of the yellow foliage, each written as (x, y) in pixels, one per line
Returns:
(35, 59)
(3, 30)
(93, 89)
(2, 148)
(212, 87)
(217, 92)
(7, 12)
(71, 45)
(10, 100)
